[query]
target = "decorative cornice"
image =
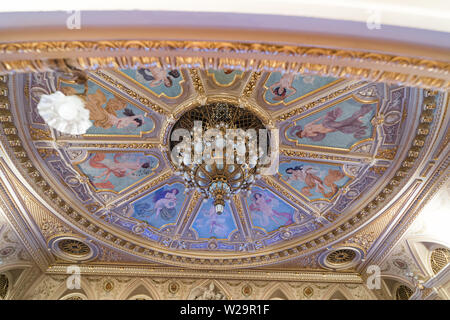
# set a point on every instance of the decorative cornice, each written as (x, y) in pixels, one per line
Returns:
(372, 66)
(254, 274)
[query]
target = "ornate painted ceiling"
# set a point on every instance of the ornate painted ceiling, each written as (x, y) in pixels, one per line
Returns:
(116, 185)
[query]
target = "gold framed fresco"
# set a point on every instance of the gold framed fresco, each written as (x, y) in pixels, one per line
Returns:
(290, 220)
(328, 107)
(142, 197)
(256, 56)
(148, 90)
(98, 84)
(285, 251)
(119, 170)
(267, 87)
(332, 177)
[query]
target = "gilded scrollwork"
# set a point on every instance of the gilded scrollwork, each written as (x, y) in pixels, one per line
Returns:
(370, 65)
(251, 84)
(320, 101)
(145, 101)
(197, 82)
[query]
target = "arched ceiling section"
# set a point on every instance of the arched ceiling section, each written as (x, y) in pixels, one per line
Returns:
(327, 185)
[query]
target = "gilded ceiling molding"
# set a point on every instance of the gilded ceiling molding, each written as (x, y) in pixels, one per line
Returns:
(320, 101)
(193, 202)
(163, 176)
(388, 154)
(270, 181)
(240, 211)
(439, 178)
(40, 134)
(133, 94)
(365, 238)
(47, 152)
(132, 145)
(380, 67)
(300, 153)
(251, 84)
(168, 272)
(197, 82)
(29, 239)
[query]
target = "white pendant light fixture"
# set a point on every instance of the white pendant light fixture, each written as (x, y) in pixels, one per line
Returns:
(66, 114)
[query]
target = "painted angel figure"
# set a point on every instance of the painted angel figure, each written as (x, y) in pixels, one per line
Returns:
(107, 117)
(122, 165)
(283, 89)
(156, 76)
(215, 222)
(317, 129)
(163, 205)
(266, 204)
(309, 176)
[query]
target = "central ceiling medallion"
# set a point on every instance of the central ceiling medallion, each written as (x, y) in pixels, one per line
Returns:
(223, 150)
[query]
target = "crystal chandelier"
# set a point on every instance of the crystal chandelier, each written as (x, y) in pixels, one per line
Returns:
(212, 175)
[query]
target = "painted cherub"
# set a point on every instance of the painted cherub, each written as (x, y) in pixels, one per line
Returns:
(280, 89)
(156, 76)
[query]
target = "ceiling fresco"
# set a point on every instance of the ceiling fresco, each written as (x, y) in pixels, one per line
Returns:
(339, 141)
(111, 114)
(289, 88)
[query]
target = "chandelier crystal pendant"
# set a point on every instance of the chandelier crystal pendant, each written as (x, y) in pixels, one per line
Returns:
(212, 175)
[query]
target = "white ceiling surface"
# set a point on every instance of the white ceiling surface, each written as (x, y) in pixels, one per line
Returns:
(434, 219)
(419, 14)
(211, 20)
